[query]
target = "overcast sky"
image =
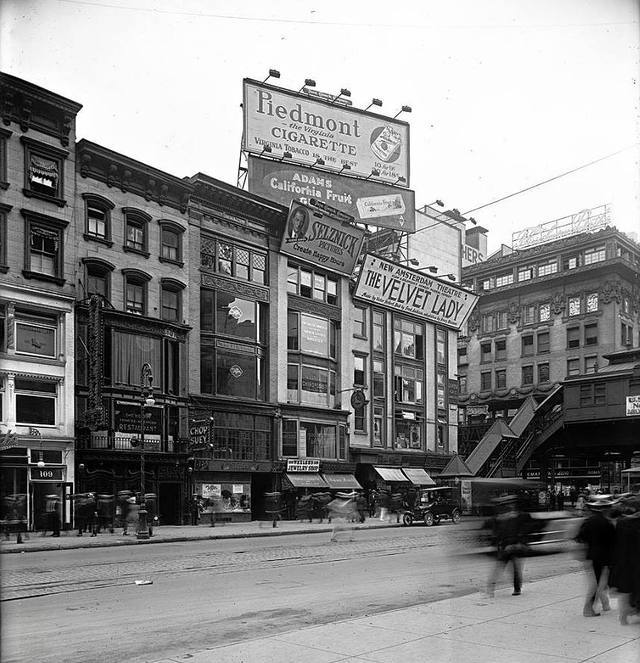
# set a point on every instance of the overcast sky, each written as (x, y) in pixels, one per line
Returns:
(505, 93)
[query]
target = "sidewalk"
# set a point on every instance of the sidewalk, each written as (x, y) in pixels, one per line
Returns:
(167, 533)
(543, 625)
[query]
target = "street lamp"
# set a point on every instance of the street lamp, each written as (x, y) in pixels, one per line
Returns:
(146, 387)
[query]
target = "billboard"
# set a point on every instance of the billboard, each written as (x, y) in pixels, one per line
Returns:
(311, 129)
(367, 202)
(396, 287)
(324, 241)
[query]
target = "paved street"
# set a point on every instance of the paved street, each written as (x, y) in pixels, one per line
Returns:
(83, 605)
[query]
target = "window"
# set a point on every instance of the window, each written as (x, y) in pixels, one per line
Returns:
(527, 375)
(171, 300)
(360, 419)
(97, 212)
(135, 291)
(544, 312)
(543, 373)
(573, 337)
(594, 255)
(599, 394)
(525, 273)
(311, 385)
(35, 402)
(136, 231)
(3, 237)
(527, 346)
(462, 384)
(488, 323)
(311, 334)
(359, 371)
(44, 171)
(485, 381)
(548, 267)
(321, 440)
(98, 277)
(289, 437)
(626, 305)
(501, 379)
(501, 349)
(543, 342)
(462, 355)
(4, 134)
(441, 346)
(586, 394)
(241, 262)
(502, 320)
(228, 315)
(591, 394)
(171, 244)
(487, 284)
(408, 434)
(378, 331)
(485, 352)
(44, 255)
(36, 334)
(408, 338)
(528, 315)
(592, 302)
(408, 384)
(504, 279)
(626, 334)
(239, 372)
(573, 366)
(378, 379)
(591, 364)
(378, 427)
(313, 285)
(360, 321)
(570, 262)
(575, 307)
(591, 334)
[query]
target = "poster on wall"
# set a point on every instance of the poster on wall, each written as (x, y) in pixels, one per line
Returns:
(366, 201)
(394, 286)
(309, 129)
(225, 497)
(315, 237)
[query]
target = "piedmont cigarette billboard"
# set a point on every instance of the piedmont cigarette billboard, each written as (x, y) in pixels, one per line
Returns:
(396, 287)
(315, 237)
(367, 202)
(310, 129)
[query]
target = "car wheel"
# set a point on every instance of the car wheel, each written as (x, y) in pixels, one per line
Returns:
(428, 519)
(407, 519)
(455, 516)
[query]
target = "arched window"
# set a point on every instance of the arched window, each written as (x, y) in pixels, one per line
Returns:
(97, 277)
(136, 231)
(97, 212)
(135, 291)
(171, 300)
(171, 242)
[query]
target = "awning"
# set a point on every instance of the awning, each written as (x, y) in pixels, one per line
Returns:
(341, 481)
(418, 476)
(306, 480)
(391, 474)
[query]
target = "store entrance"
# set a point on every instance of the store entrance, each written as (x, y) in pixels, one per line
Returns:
(260, 484)
(169, 507)
(46, 504)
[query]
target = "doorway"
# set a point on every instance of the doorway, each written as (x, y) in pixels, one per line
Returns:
(170, 503)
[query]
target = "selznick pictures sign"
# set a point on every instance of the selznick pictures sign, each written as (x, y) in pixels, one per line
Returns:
(316, 237)
(394, 286)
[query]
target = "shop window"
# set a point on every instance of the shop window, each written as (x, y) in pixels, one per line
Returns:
(408, 339)
(44, 171)
(312, 335)
(311, 385)
(35, 402)
(575, 306)
(527, 375)
(409, 434)
(543, 373)
(378, 331)
(546, 268)
(171, 300)
(135, 291)
(44, 255)
(136, 232)
(591, 364)
(594, 255)
(360, 322)
(409, 382)
(527, 345)
(321, 440)
(573, 337)
(485, 381)
(543, 343)
(313, 285)
(97, 212)
(501, 379)
(573, 366)
(359, 371)
(501, 349)
(544, 312)
(592, 302)
(485, 352)
(171, 243)
(591, 334)
(36, 334)
(378, 379)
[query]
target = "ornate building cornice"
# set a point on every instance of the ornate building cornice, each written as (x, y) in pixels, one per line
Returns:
(248, 290)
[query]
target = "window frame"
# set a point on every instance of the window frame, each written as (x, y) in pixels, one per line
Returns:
(362, 322)
(210, 259)
(176, 287)
(177, 231)
(543, 367)
(31, 393)
(4, 211)
(528, 383)
(314, 275)
(137, 278)
(49, 224)
(136, 218)
(98, 202)
(486, 377)
(102, 268)
(36, 148)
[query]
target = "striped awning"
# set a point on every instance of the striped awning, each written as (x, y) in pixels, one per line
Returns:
(391, 474)
(306, 480)
(418, 476)
(342, 481)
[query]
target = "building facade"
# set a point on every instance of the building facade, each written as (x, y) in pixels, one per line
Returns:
(37, 292)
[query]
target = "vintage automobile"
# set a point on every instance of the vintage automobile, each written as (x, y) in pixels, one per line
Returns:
(431, 505)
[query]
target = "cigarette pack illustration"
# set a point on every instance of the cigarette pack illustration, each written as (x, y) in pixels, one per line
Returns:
(387, 144)
(373, 207)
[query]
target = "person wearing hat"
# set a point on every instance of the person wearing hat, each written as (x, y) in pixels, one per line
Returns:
(625, 576)
(598, 535)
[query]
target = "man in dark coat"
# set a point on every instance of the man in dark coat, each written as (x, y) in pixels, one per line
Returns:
(598, 534)
(625, 576)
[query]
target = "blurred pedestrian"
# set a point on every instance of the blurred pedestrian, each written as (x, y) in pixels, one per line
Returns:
(625, 576)
(342, 509)
(52, 515)
(510, 528)
(598, 534)
(361, 506)
(560, 500)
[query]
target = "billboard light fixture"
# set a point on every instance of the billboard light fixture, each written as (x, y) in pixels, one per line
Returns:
(343, 93)
(345, 166)
(374, 173)
(404, 109)
(273, 73)
(308, 82)
(286, 155)
(400, 179)
(374, 102)
(266, 149)
(318, 162)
